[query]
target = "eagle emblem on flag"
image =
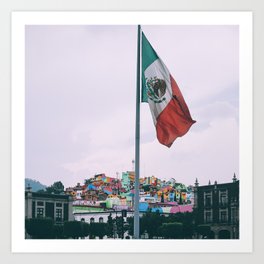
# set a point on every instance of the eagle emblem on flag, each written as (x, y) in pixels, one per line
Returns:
(156, 89)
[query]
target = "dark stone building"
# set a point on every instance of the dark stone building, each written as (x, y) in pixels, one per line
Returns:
(56, 206)
(217, 206)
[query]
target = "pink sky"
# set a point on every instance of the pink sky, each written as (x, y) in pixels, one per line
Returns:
(80, 103)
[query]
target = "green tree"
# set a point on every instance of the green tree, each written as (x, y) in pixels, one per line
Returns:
(76, 229)
(41, 191)
(188, 230)
(180, 201)
(86, 229)
(146, 188)
(87, 181)
(58, 231)
(188, 224)
(162, 198)
(110, 226)
(120, 228)
(171, 230)
(98, 230)
(151, 222)
(204, 230)
(130, 228)
(40, 228)
(56, 188)
(187, 219)
(178, 217)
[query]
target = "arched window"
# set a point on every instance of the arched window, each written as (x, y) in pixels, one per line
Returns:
(92, 220)
(82, 220)
(101, 220)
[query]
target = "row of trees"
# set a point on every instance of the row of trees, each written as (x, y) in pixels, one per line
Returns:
(152, 225)
(155, 225)
(44, 228)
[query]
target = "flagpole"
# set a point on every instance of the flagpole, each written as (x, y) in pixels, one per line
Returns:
(137, 152)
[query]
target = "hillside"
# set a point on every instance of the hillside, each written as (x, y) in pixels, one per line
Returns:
(35, 185)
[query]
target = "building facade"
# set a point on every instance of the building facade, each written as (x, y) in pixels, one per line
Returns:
(217, 206)
(55, 206)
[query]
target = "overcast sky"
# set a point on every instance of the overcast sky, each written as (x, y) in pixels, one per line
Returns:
(80, 103)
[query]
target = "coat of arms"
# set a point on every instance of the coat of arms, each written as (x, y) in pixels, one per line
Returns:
(156, 89)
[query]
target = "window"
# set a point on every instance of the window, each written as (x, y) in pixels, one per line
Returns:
(223, 216)
(58, 204)
(40, 212)
(223, 200)
(40, 203)
(234, 215)
(92, 220)
(101, 220)
(207, 198)
(208, 216)
(59, 215)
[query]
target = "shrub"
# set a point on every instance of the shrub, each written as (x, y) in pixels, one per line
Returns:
(203, 230)
(40, 228)
(76, 229)
(171, 230)
(98, 230)
(58, 231)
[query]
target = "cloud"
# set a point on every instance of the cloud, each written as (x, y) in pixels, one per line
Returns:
(108, 160)
(80, 102)
(204, 115)
(210, 154)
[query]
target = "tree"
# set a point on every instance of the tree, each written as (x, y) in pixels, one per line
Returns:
(56, 188)
(151, 222)
(204, 230)
(86, 229)
(146, 188)
(110, 226)
(98, 229)
(188, 224)
(130, 221)
(178, 217)
(76, 229)
(180, 201)
(187, 219)
(40, 228)
(171, 230)
(58, 232)
(41, 191)
(162, 198)
(175, 197)
(87, 181)
(120, 229)
(188, 230)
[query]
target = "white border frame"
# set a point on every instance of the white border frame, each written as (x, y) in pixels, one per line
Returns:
(243, 19)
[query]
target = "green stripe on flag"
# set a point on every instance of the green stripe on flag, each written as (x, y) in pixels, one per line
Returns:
(149, 55)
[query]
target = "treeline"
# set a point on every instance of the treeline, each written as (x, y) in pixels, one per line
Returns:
(176, 226)
(152, 226)
(44, 228)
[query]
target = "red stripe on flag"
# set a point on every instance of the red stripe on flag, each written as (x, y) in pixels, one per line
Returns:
(175, 120)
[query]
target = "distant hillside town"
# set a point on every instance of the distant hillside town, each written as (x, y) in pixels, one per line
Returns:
(104, 193)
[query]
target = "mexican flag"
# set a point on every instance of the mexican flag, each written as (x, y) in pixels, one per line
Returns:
(169, 111)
